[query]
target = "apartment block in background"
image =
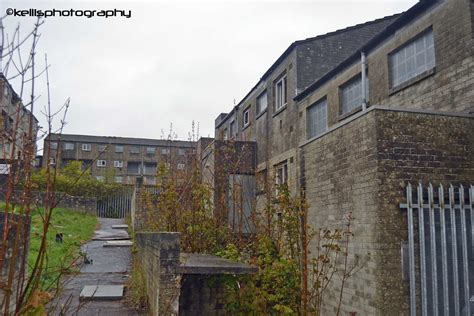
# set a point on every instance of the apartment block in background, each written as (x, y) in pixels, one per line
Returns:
(119, 159)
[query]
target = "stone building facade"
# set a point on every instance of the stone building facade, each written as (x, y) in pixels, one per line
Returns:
(396, 109)
(119, 159)
(15, 121)
(268, 114)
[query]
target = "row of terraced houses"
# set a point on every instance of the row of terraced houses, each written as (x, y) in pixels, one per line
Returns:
(348, 119)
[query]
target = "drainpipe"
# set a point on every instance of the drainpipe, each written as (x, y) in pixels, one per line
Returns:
(363, 64)
(2, 34)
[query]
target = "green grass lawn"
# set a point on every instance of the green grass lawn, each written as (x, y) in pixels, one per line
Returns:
(77, 228)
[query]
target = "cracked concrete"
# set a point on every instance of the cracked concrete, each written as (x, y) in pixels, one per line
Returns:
(110, 266)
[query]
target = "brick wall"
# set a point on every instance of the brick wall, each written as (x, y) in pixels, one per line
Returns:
(362, 166)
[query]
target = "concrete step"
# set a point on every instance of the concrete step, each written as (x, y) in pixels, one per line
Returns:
(121, 226)
(101, 293)
(118, 243)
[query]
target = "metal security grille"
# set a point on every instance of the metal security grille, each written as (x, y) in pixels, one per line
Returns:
(115, 206)
(440, 249)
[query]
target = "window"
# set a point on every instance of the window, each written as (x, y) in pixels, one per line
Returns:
(101, 163)
(53, 145)
(133, 168)
(412, 59)
(119, 148)
(226, 134)
(86, 147)
(181, 151)
(262, 102)
(181, 166)
(351, 94)
(165, 151)
(317, 119)
(100, 178)
(167, 165)
(282, 174)
(134, 149)
(246, 118)
(280, 93)
(68, 146)
(52, 161)
(102, 148)
(149, 168)
(232, 130)
(118, 179)
(118, 164)
(150, 150)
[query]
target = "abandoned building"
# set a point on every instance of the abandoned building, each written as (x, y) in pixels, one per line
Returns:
(119, 159)
(349, 119)
(14, 127)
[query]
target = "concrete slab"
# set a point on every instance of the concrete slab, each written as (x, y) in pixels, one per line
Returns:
(111, 235)
(122, 226)
(192, 263)
(118, 243)
(101, 293)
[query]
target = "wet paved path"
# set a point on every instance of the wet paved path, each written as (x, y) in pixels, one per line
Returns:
(110, 267)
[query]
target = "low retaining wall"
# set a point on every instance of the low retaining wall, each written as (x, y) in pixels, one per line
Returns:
(159, 255)
(79, 203)
(180, 283)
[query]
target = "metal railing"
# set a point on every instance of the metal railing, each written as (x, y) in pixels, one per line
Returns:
(440, 249)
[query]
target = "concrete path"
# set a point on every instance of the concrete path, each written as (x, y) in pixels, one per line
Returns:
(110, 267)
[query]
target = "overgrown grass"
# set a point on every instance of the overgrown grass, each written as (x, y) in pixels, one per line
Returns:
(76, 227)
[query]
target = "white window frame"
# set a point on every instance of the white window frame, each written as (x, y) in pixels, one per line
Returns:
(232, 130)
(119, 148)
(118, 179)
(246, 117)
(52, 161)
(86, 147)
(281, 175)
(281, 93)
(181, 151)
(262, 96)
(317, 118)
(68, 146)
(118, 164)
(150, 150)
(165, 151)
(134, 150)
(101, 163)
(412, 59)
(181, 166)
(351, 94)
(100, 178)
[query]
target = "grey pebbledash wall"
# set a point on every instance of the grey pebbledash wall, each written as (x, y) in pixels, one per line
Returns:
(363, 166)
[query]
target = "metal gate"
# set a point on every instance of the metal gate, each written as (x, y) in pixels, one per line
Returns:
(440, 249)
(117, 205)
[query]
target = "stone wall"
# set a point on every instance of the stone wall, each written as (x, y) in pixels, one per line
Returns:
(78, 203)
(159, 255)
(362, 166)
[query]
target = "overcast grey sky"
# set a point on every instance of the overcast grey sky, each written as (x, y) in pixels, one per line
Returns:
(173, 61)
